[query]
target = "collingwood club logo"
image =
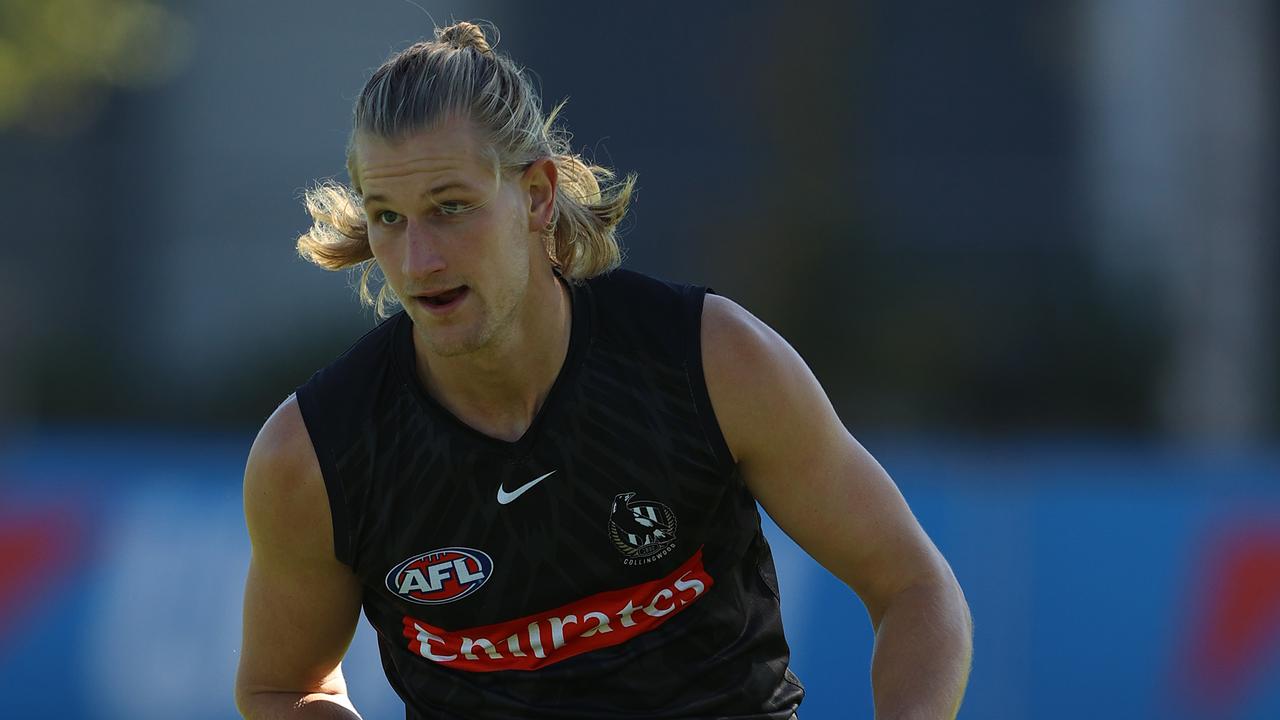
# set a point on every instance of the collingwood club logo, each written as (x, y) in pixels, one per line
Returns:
(643, 530)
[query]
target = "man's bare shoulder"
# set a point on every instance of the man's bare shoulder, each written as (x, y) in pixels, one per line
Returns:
(736, 341)
(283, 441)
(285, 502)
(740, 352)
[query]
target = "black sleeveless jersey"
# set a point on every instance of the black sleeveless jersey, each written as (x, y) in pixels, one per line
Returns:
(609, 563)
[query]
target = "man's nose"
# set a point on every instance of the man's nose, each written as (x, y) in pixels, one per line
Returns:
(423, 256)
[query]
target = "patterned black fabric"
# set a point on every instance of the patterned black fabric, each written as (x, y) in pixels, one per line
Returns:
(521, 604)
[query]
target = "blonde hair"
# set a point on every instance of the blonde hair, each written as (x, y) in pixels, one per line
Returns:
(459, 75)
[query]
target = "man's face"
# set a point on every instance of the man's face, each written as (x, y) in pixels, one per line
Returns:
(452, 237)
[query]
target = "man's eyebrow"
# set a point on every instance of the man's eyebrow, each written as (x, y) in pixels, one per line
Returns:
(433, 191)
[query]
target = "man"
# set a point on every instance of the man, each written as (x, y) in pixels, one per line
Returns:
(540, 479)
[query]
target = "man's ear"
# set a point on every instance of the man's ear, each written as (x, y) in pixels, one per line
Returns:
(540, 181)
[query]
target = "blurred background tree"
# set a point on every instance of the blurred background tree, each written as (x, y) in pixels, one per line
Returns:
(59, 59)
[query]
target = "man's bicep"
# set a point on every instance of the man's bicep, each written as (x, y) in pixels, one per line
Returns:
(297, 626)
(301, 604)
(846, 512)
(812, 477)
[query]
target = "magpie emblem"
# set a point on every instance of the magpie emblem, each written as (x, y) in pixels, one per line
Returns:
(643, 531)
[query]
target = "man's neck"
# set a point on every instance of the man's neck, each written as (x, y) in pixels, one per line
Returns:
(499, 390)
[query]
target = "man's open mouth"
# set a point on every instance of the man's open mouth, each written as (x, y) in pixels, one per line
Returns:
(444, 299)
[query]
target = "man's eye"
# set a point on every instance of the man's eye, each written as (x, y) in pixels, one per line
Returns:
(388, 217)
(453, 208)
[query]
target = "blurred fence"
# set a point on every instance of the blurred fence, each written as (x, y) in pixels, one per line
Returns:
(1106, 581)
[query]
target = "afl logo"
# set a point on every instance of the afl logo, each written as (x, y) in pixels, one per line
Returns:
(440, 576)
(642, 530)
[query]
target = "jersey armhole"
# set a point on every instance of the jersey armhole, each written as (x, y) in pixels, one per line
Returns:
(329, 471)
(694, 299)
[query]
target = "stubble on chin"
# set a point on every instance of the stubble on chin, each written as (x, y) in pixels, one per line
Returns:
(447, 343)
(493, 326)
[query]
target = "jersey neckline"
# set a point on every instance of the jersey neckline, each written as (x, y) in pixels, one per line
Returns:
(579, 339)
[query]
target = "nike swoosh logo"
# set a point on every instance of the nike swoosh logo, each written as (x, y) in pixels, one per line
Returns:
(505, 497)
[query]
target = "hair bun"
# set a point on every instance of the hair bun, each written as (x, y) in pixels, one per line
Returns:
(463, 35)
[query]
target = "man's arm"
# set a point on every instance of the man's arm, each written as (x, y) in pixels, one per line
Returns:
(300, 604)
(826, 492)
